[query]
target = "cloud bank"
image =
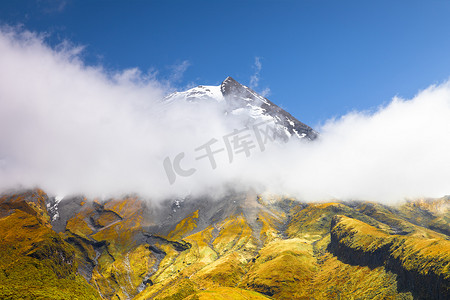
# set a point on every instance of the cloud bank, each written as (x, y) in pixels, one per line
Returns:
(70, 128)
(399, 151)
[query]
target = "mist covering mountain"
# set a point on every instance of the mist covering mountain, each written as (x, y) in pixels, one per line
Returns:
(230, 243)
(73, 128)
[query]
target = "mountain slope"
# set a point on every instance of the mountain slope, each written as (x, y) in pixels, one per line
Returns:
(244, 246)
(35, 262)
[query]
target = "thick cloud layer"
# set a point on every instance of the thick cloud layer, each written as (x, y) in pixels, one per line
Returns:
(70, 128)
(401, 150)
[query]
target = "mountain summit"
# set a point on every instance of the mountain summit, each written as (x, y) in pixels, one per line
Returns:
(241, 100)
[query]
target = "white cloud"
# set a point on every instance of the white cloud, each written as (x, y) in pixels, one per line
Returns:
(178, 70)
(399, 151)
(254, 79)
(71, 128)
(52, 6)
(265, 92)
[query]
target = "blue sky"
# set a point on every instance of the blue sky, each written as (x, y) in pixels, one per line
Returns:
(320, 59)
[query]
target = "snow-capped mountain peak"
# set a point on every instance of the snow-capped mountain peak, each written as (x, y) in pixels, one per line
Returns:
(243, 101)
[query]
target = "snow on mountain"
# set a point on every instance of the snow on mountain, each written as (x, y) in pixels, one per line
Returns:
(52, 207)
(202, 92)
(240, 100)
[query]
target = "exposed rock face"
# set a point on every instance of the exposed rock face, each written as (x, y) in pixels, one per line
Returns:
(244, 246)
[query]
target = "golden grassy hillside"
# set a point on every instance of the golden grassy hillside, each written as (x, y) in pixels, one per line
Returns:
(35, 262)
(242, 247)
